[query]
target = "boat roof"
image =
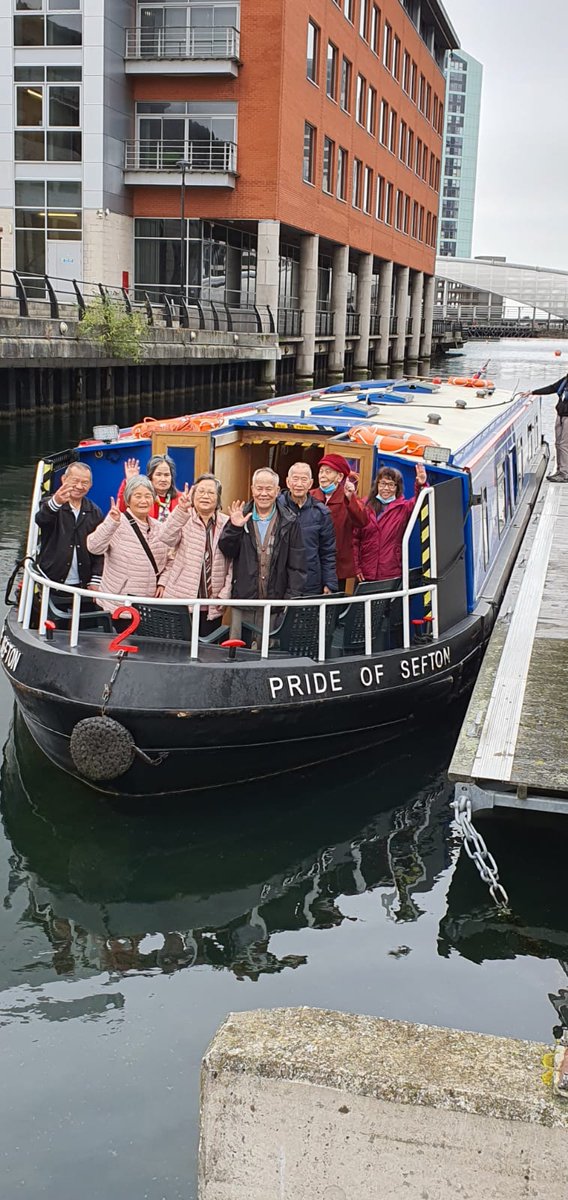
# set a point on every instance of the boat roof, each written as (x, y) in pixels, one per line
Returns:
(452, 415)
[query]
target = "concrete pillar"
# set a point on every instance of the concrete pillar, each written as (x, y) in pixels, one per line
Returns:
(385, 293)
(364, 282)
(416, 293)
(401, 310)
(300, 1102)
(428, 315)
(339, 274)
(309, 246)
(268, 265)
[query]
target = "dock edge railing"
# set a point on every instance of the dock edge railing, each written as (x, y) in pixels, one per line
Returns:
(33, 578)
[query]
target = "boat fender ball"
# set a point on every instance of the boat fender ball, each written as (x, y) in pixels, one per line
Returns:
(101, 748)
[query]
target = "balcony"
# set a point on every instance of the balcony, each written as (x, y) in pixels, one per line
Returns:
(290, 321)
(191, 51)
(353, 324)
(209, 164)
(324, 323)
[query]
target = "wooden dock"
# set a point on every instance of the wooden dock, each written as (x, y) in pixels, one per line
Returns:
(512, 749)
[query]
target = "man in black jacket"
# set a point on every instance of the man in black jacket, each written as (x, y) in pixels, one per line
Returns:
(317, 529)
(65, 519)
(560, 388)
(265, 543)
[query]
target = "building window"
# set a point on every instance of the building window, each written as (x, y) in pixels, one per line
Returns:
(328, 155)
(360, 100)
(357, 182)
(345, 94)
(398, 209)
(421, 224)
(410, 149)
(220, 261)
(405, 71)
(348, 9)
(396, 57)
(371, 111)
(48, 114)
(392, 131)
(55, 28)
(380, 198)
(421, 93)
(413, 78)
(45, 213)
(312, 52)
(424, 163)
(368, 191)
(204, 132)
(375, 28)
(414, 230)
(388, 203)
(402, 142)
(406, 214)
(341, 186)
(384, 122)
(418, 159)
(309, 153)
(289, 277)
(387, 46)
(363, 18)
(331, 71)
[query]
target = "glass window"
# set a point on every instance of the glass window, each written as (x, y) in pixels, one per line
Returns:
(406, 71)
(396, 57)
(64, 74)
(380, 198)
(28, 5)
(64, 30)
(363, 18)
(29, 74)
(345, 96)
(309, 153)
(388, 203)
(392, 131)
(331, 71)
(341, 187)
(312, 52)
(348, 9)
(360, 100)
(64, 146)
(375, 28)
(371, 111)
(30, 192)
(387, 46)
(368, 191)
(29, 31)
(63, 194)
(64, 106)
(29, 147)
(328, 152)
(29, 106)
(357, 182)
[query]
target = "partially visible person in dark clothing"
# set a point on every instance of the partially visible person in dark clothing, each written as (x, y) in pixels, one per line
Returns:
(560, 389)
(65, 520)
(347, 511)
(377, 548)
(265, 544)
(317, 530)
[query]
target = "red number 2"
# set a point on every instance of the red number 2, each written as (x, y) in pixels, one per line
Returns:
(125, 611)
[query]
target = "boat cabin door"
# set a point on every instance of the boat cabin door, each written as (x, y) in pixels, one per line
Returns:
(360, 459)
(191, 453)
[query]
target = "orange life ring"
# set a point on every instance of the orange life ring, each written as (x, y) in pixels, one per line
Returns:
(473, 382)
(197, 423)
(394, 441)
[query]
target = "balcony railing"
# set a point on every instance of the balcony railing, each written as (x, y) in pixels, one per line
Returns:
(324, 323)
(194, 42)
(394, 325)
(290, 322)
(207, 157)
(375, 325)
(409, 324)
(352, 324)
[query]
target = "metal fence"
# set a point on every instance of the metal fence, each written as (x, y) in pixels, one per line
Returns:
(209, 157)
(193, 42)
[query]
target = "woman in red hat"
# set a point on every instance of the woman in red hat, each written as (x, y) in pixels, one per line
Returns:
(337, 486)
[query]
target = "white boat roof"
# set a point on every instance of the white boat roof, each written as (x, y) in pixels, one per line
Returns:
(464, 411)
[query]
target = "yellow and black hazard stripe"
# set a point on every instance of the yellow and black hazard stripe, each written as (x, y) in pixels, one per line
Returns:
(426, 558)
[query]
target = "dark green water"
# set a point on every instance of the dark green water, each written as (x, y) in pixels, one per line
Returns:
(127, 936)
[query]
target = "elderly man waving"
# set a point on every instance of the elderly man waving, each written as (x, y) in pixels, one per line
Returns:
(265, 544)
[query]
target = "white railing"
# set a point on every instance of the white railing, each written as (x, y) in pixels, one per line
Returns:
(195, 42)
(150, 154)
(33, 579)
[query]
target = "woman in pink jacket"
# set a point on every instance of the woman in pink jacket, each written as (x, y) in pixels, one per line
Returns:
(377, 546)
(198, 569)
(134, 556)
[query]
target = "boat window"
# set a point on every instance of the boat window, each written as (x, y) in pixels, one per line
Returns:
(501, 497)
(485, 526)
(512, 480)
(520, 462)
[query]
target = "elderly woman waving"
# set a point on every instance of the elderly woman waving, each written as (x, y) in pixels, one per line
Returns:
(199, 569)
(134, 556)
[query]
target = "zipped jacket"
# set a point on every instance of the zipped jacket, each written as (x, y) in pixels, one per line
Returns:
(61, 534)
(288, 568)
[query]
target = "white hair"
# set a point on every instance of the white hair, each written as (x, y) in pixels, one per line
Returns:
(266, 471)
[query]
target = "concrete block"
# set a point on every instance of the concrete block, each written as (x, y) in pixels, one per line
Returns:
(300, 1102)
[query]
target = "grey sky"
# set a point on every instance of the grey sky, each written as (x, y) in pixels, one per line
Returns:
(522, 178)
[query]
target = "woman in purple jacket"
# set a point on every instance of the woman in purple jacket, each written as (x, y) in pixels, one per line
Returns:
(377, 546)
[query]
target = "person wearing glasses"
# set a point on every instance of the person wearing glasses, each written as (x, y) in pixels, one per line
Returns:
(377, 546)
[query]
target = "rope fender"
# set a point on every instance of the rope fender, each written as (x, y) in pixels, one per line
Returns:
(102, 748)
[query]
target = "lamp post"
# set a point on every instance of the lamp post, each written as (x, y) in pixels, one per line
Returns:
(182, 165)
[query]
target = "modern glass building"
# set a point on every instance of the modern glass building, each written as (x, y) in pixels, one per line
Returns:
(459, 160)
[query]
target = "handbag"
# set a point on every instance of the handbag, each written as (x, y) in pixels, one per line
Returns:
(144, 545)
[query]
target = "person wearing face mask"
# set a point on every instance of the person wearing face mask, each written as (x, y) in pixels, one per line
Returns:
(377, 548)
(199, 568)
(161, 472)
(337, 489)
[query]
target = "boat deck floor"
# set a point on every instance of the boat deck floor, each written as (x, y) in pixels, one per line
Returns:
(512, 747)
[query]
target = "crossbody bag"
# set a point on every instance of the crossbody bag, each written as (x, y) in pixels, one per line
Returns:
(144, 545)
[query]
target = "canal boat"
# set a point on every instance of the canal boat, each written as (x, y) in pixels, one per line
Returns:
(160, 710)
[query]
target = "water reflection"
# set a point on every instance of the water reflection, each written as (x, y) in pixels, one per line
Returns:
(120, 890)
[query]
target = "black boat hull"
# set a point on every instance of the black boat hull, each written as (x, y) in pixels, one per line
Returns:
(219, 721)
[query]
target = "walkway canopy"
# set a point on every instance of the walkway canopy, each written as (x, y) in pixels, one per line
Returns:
(538, 287)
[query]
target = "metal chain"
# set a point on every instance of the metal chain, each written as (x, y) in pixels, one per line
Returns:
(476, 849)
(107, 690)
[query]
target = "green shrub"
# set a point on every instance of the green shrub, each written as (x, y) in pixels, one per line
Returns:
(107, 323)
